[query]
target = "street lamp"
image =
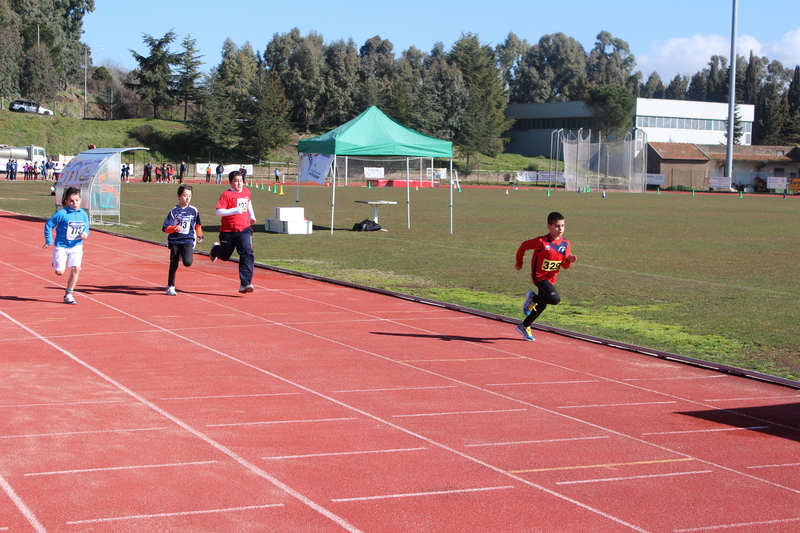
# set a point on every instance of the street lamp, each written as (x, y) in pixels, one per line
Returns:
(85, 70)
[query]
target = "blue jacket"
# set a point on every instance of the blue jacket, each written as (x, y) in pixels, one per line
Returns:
(69, 224)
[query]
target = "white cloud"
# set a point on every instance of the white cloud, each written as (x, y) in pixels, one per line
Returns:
(688, 55)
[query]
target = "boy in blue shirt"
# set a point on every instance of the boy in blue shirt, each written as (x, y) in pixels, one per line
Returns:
(72, 226)
(184, 229)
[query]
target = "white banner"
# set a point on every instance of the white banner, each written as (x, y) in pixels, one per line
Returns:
(655, 179)
(374, 173)
(719, 182)
(315, 167)
(527, 176)
(776, 183)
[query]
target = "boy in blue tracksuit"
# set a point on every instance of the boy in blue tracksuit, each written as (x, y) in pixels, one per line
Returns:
(72, 226)
(184, 229)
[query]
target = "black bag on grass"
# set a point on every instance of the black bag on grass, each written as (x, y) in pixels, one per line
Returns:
(367, 225)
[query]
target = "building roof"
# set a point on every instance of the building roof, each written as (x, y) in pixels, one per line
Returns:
(686, 151)
(718, 152)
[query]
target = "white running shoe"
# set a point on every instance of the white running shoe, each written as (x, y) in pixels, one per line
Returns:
(68, 299)
(211, 253)
(171, 291)
(245, 288)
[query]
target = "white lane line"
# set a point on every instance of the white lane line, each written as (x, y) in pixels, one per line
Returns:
(394, 389)
(651, 476)
(59, 434)
(792, 396)
(542, 441)
(611, 405)
(542, 383)
(58, 404)
(413, 494)
(110, 468)
(231, 396)
(180, 513)
(774, 466)
(343, 453)
(460, 413)
(705, 430)
(279, 422)
(741, 524)
(24, 509)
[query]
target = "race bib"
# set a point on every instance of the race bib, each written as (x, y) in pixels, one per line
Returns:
(184, 223)
(550, 266)
(243, 204)
(74, 230)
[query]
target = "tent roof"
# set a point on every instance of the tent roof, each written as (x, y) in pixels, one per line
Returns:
(373, 133)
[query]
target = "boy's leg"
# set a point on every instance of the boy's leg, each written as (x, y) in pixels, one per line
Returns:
(244, 247)
(174, 256)
(547, 295)
(226, 246)
(187, 254)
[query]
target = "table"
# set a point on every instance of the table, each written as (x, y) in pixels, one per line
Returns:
(375, 205)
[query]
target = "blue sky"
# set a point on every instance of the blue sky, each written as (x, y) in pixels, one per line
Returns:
(672, 37)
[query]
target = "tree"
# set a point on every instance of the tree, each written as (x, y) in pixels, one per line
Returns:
(752, 78)
(485, 118)
(560, 64)
(508, 55)
(613, 107)
(154, 80)
(341, 77)
(10, 53)
(677, 88)
(268, 123)
(442, 99)
(214, 128)
(654, 88)
(304, 80)
(738, 127)
(698, 86)
(793, 95)
(610, 61)
(188, 74)
(237, 73)
(39, 81)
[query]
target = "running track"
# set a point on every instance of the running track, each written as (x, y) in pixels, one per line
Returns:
(311, 407)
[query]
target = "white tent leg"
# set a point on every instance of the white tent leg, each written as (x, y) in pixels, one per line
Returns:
(408, 193)
(333, 193)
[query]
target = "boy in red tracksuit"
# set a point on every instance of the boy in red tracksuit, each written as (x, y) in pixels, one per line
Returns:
(236, 210)
(551, 252)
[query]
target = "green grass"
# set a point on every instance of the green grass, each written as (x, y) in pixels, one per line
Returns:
(708, 276)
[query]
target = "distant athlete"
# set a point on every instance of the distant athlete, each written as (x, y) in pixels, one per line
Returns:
(235, 233)
(184, 229)
(71, 225)
(551, 253)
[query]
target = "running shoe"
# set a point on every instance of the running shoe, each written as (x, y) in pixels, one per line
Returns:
(211, 253)
(526, 332)
(68, 299)
(528, 305)
(245, 288)
(171, 291)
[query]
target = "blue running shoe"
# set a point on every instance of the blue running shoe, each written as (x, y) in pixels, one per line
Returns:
(528, 305)
(526, 332)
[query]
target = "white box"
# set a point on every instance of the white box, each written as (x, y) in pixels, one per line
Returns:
(289, 214)
(292, 227)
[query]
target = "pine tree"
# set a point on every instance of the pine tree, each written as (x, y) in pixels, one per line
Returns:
(268, 123)
(188, 73)
(154, 81)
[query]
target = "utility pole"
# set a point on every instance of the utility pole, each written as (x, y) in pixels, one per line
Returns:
(85, 70)
(731, 96)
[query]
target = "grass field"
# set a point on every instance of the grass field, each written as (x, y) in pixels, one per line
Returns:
(706, 276)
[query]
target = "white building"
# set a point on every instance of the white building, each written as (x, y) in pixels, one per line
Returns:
(662, 120)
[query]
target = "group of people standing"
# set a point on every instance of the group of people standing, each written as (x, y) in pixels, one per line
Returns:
(31, 171)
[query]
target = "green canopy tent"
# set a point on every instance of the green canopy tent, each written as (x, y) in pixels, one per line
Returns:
(372, 133)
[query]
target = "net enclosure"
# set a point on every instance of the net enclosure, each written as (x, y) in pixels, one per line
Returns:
(594, 164)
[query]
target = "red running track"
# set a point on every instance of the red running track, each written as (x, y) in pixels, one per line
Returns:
(307, 406)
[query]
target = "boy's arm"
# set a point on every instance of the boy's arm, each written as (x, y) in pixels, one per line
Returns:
(524, 247)
(169, 224)
(85, 234)
(250, 210)
(569, 259)
(48, 230)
